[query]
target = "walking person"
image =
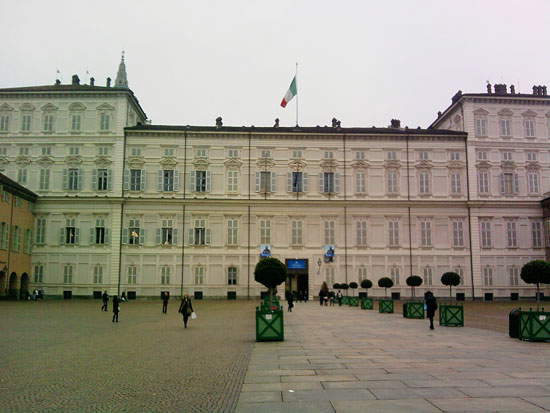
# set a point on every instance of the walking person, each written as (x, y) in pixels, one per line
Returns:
(186, 309)
(290, 301)
(165, 298)
(116, 308)
(105, 298)
(431, 306)
(339, 297)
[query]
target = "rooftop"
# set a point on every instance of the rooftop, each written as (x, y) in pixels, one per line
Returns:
(19, 190)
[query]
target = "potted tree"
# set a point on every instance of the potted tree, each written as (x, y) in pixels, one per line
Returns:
(413, 309)
(353, 301)
(366, 303)
(535, 325)
(385, 305)
(451, 315)
(269, 315)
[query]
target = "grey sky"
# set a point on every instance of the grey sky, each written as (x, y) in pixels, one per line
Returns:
(361, 61)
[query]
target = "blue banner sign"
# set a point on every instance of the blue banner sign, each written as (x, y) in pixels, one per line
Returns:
(296, 264)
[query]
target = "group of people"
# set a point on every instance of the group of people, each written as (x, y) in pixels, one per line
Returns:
(185, 308)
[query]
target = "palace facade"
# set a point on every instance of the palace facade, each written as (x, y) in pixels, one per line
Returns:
(127, 206)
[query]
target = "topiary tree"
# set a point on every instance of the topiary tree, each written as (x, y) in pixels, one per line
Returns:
(536, 272)
(270, 272)
(336, 286)
(353, 285)
(366, 284)
(452, 279)
(385, 283)
(344, 287)
(414, 281)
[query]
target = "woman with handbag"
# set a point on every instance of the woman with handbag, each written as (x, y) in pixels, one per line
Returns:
(186, 309)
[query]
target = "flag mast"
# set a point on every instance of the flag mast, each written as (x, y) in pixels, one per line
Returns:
(297, 97)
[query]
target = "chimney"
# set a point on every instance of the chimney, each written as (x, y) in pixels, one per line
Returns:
(108, 82)
(396, 123)
(76, 80)
(512, 89)
(92, 81)
(489, 91)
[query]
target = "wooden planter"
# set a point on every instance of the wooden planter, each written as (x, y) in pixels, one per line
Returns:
(413, 310)
(534, 326)
(385, 306)
(269, 325)
(367, 304)
(353, 301)
(451, 315)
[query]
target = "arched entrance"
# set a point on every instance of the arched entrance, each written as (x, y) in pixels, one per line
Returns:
(2, 283)
(12, 287)
(24, 290)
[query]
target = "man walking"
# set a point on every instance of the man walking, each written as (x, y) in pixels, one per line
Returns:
(165, 298)
(431, 306)
(105, 298)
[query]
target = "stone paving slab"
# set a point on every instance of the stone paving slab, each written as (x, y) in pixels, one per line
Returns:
(371, 362)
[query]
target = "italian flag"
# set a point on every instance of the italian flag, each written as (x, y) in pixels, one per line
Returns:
(290, 93)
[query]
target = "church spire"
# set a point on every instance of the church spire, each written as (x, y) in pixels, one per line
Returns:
(121, 79)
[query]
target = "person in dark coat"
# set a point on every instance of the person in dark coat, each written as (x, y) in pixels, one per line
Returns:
(431, 306)
(339, 297)
(105, 298)
(290, 300)
(186, 308)
(165, 298)
(116, 308)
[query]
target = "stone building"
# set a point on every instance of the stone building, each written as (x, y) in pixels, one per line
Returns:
(16, 238)
(129, 206)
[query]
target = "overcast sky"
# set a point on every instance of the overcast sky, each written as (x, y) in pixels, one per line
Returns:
(363, 62)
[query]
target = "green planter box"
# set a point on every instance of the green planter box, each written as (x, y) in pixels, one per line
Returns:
(451, 315)
(385, 306)
(345, 300)
(534, 326)
(269, 325)
(413, 310)
(367, 304)
(353, 301)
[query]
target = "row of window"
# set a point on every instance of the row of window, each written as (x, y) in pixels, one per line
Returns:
(200, 234)
(21, 239)
(72, 180)
(504, 125)
(509, 182)
(507, 156)
(49, 122)
(513, 274)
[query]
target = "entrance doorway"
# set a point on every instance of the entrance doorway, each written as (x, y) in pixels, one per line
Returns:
(297, 280)
(24, 290)
(12, 288)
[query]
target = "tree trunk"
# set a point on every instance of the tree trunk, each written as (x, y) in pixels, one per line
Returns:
(450, 292)
(538, 298)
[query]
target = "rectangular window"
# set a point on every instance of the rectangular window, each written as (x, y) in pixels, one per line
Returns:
(40, 231)
(529, 125)
(3, 151)
(46, 150)
(483, 181)
(507, 156)
(426, 233)
(232, 232)
(167, 232)
(132, 274)
(134, 232)
(16, 238)
(135, 151)
(391, 156)
(4, 236)
(98, 274)
(392, 181)
(168, 180)
(296, 232)
(505, 127)
(531, 156)
(232, 276)
(455, 156)
(136, 179)
(24, 151)
(509, 183)
(424, 182)
(360, 182)
(22, 176)
(486, 241)
(68, 274)
(361, 227)
(360, 155)
(200, 232)
(427, 276)
(75, 123)
(74, 150)
(169, 151)
(232, 181)
(103, 150)
(481, 127)
(329, 275)
(48, 123)
(99, 232)
(297, 183)
(74, 177)
(328, 182)
(102, 179)
(393, 233)
(533, 182)
(423, 156)
(329, 232)
(26, 123)
(105, 121)
(511, 234)
(165, 275)
(233, 153)
(296, 154)
(201, 153)
(455, 183)
(265, 232)
(513, 272)
(4, 123)
(458, 234)
(199, 275)
(394, 274)
(536, 234)
(361, 274)
(71, 232)
(265, 181)
(27, 244)
(482, 155)
(39, 273)
(488, 276)
(200, 181)
(329, 155)
(266, 154)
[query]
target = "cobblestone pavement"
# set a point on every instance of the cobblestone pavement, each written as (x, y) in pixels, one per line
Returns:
(67, 356)
(344, 359)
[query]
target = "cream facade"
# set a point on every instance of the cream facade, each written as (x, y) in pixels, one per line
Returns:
(132, 207)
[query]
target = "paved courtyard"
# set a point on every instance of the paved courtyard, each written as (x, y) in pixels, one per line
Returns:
(67, 356)
(344, 359)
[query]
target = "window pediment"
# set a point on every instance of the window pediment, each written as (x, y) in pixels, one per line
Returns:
(480, 112)
(73, 160)
(103, 161)
(456, 165)
(5, 108)
(483, 164)
(424, 165)
(171, 162)
(200, 164)
(392, 164)
(26, 107)
(45, 161)
(265, 163)
(505, 112)
(328, 163)
(105, 107)
(360, 164)
(49, 107)
(23, 160)
(529, 114)
(233, 163)
(77, 106)
(297, 165)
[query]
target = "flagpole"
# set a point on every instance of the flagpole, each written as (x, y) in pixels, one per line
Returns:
(296, 77)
